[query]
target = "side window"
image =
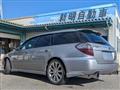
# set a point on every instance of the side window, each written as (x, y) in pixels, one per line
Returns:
(29, 44)
(42, 41)
(64, 38)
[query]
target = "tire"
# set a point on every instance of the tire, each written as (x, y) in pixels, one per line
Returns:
(56, 72)
(7, 67)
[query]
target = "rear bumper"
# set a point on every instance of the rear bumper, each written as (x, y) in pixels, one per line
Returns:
(105, 68)
(79, 67)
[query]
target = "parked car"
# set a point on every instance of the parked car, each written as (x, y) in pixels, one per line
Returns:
(63, 54)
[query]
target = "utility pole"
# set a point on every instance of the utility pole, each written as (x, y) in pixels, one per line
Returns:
(1, 9)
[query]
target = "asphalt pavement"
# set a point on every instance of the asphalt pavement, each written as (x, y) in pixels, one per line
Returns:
(25, 81)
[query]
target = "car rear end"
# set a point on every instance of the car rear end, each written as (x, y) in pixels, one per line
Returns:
(103, 53)
(105, 57)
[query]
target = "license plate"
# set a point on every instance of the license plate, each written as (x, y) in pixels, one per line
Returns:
(108, 55)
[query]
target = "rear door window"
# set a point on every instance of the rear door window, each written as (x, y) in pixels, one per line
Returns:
(42, 41)
(65, 38)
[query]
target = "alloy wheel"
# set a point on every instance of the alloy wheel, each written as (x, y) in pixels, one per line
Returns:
(55, 72)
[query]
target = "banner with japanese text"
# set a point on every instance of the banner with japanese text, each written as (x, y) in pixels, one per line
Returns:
(104, 11)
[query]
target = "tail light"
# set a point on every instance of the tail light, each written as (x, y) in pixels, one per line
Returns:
(85, 48)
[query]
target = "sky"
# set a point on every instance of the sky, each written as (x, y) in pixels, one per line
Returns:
(22, 8)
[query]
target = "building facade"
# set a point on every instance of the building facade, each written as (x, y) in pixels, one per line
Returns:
(104, 19)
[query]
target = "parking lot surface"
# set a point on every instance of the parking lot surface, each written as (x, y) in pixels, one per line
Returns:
(25, 81)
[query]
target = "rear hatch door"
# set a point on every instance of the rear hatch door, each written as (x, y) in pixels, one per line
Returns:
(103, 51)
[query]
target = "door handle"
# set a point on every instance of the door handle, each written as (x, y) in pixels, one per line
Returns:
(44, 50)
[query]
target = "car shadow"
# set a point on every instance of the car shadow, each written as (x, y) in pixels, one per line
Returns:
(71, 81)
(81, 81)
(31, 76)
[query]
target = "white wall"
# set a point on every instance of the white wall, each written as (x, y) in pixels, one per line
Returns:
(118, 34)
(6, 35)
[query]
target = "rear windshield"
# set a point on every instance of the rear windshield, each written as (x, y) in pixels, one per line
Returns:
(92, 38)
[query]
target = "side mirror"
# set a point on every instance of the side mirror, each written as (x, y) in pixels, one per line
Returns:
(17, 49)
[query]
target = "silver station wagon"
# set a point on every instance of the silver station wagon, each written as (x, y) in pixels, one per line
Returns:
(63, 54)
